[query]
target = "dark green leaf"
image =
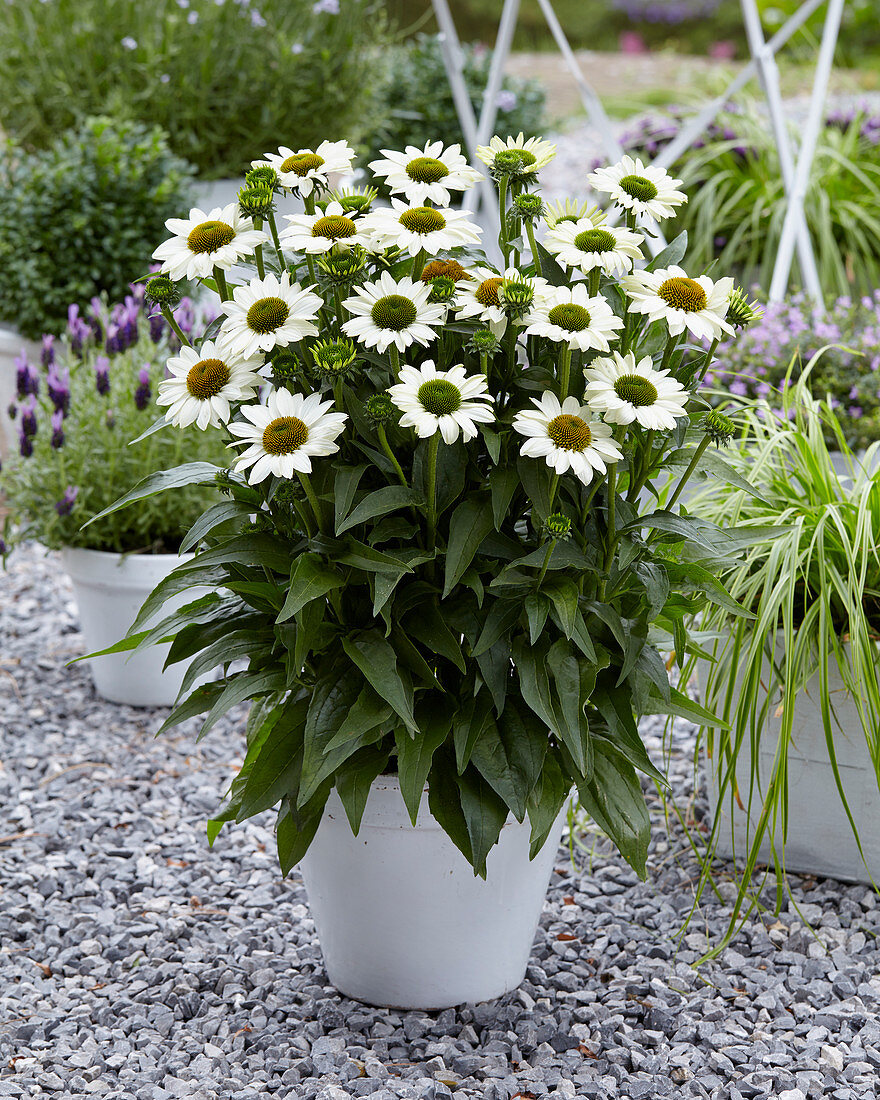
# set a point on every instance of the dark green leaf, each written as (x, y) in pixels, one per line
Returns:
(503, 483)
(484, 814)
(378, 662)
(310, 579)
(344, 488)
(380, 503)
(546, 801)
(509, 754)
(414, 754)
(613, 798)
(354, 779)
(190, 473)
(470, 523)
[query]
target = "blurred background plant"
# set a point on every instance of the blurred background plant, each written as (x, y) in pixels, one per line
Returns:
(222, 79)
(416, 105)
(772, 355)
(77, 411)
(80, 218)
(738, 204)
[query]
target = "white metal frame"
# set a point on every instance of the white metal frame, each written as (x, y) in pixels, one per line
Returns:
(795, 171)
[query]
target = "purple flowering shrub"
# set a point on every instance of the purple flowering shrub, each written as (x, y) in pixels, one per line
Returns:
(788, 336)
(77, 408)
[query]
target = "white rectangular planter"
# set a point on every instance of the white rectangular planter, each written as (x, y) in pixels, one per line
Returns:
(820, 840)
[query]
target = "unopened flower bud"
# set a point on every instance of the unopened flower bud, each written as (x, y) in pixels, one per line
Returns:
(263, 175)
(528, 206)
(442, 290)
(379, 409)
(719, 428)
(162, 291)
(516, 295)
(356, 201)
(484, 342)
(334, 358)
(741, 313)
(558, 526)
(257, 201)
(342, 269)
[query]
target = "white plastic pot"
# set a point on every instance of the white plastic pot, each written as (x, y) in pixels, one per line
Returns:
(819, 838)
(402, 919)
(109, 591)
(11, 346)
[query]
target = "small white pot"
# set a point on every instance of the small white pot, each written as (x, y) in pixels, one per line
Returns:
(109, 591)
(11, 346)
(819, 838)
(402, 919)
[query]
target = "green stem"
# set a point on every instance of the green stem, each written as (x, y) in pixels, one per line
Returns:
(671, 345)
(274, 230)
(502, 208)
(595, 279)
(433, 448)
(169, 317)
(313, 500)
(698, 454)
(710, 354)
(389, 454)
(418, 265)
(564, 372)
(258, 256)
(530, 233)
(220, 280)
(394, 355)
(546, 564)
(484, 364)
(612, 521)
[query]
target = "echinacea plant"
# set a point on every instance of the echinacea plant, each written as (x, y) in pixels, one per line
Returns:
(437, 551)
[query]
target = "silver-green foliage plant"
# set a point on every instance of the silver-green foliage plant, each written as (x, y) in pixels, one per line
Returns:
(76, 413)
(222, 79)
(814, 590)
(442, 566)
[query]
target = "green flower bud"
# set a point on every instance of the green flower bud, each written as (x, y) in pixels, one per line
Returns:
(741, 313)
(257, 201)
(512, 163)
(286, 368)
(516, 295)
(379, 409)
(289, 491)
(483, 342)
(342, 269)
(162, 291)
(334, 358)
(224, 482)
(260, 524)
(442, 289)
(719, 428)
(528, 206)
(558, 526)
(356, 201)
(264, 175)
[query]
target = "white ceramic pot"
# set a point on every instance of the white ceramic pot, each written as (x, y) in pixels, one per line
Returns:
(819, 839)
(402, 919)
(109, 591)
(11, 345)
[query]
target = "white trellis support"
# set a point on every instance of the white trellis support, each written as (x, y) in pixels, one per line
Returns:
(795, 173)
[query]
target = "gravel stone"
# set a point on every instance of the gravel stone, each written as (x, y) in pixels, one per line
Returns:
(138, 964)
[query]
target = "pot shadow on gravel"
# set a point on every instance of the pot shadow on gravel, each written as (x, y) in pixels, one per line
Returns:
(138, 964)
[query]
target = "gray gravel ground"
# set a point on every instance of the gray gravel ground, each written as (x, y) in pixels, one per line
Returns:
(136, 963)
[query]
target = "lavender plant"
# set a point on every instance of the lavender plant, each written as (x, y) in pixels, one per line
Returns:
(771, 357)
(76, 411)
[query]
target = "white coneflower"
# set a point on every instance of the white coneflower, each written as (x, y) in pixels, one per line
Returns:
(426, 175)
(566, 438)
(449, 402)
(414, 229)
(644, 190)
(285, 434)
(566, 210)
(568, 315)
(322, 232)
(203, 241)
(265, 314)
(624, 391)
(589, 243)
(668, 294)
(391, 311)
(533, 153)
(202, 384)
(484, 297)
(307, 168)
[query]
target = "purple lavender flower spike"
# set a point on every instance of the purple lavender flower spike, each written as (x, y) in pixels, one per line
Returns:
(143, 394)
(25, 446)
(58, 384)
(157, 327)
(47, 352)
(65, 506)
(57, 429)
(29, 418)
(12, 410)
(102, 375)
